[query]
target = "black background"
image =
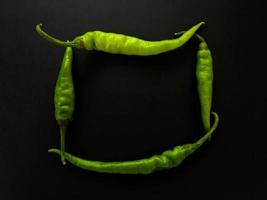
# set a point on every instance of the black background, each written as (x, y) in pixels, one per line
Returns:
(133, 107)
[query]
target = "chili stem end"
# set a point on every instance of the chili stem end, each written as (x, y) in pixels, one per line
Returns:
(54, 40)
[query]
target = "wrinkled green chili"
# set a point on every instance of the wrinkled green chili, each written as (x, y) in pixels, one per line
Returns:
(168, 159)
(64, 97)
(122, 44)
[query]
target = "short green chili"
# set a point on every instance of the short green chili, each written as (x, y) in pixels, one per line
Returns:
(168, 159)
(204, 74)
(64, 97)
(122, 44)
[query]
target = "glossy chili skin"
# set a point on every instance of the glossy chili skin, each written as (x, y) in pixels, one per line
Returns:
(64, 97)
(204, 74)
(122, 44)
(168, 159)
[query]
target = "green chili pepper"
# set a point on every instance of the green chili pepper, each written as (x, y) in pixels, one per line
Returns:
(122, 44)
(168, 159)
(204, 74)
(64, 97)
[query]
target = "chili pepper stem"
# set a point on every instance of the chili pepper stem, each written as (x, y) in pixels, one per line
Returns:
(62, 142)
(54, 40)
(179, 33)
(197, 35)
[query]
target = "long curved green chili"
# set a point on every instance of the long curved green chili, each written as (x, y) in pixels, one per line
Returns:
(168, 159)
(64, 97)
(121, 44)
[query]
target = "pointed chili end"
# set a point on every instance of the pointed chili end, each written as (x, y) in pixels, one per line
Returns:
(200, 24)
(197, 26)
(38, 27)
(63, 161)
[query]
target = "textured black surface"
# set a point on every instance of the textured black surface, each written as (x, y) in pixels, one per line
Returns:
(133, 107)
